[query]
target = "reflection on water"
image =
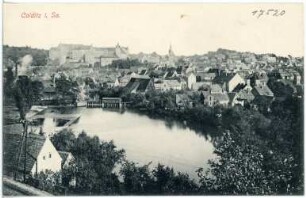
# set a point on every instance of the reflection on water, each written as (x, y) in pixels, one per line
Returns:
(148, 140)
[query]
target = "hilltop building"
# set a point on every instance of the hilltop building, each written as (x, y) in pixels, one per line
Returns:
(75, 53)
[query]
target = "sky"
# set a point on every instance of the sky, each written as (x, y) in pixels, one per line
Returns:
(190, 28)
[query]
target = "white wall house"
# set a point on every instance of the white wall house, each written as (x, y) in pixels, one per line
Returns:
(234, 81)
(47, 159)
(191, 80)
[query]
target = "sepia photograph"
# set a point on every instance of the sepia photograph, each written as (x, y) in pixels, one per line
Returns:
(152, 99)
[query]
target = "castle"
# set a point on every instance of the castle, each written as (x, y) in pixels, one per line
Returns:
(76, 53)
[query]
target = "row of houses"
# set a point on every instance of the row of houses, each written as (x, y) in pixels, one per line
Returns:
(216, 87)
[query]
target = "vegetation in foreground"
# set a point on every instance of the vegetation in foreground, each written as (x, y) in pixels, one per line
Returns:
(256, 155)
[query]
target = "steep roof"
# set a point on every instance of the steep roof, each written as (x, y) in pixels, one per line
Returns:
(64, 155)
(245, 95)
(138, 84)
(11, 148)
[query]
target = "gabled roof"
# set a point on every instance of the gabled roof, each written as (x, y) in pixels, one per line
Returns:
(245, 95)
(221, 97)
(11, 146)
(263, 91)
(138, 84)
(64, 155)
(143, 72)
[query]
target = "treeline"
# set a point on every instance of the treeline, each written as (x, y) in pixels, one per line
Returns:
(13, 55)
(94, 170)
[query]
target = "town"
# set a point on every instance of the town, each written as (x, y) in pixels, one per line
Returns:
(200, 91)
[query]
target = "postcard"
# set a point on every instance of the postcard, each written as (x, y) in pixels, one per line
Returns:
(153, 99)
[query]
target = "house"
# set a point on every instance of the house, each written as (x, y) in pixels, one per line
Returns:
(166, 85)
(191, 80)
(229, 81)
(40, 154)
(67, 159)
(258, 79)
(215, 96)
(143, 72)
(201, 85)
(183, 100)
(171, 73)
(139, 85)
(235, 100)
(242, 97)
(122, 81)
(221, 99)
(263, 91)
(204, 76)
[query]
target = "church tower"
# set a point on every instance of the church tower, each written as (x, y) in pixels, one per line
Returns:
(171, 53)
(171, 57)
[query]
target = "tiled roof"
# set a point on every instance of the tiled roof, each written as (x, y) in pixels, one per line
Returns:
(13, 128)
(263, 91)
(246, 95)
(138, 84)
(11, 148)
(223, 78)
(215, 88)
(64, 155)
(222, 97)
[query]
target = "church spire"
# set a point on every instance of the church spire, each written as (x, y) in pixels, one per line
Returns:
(170, 53)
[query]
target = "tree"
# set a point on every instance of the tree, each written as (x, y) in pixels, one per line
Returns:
(136, 180)
(95, 161)
(257, 155)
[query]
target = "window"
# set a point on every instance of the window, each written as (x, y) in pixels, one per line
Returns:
(49, 155)
(44, 157)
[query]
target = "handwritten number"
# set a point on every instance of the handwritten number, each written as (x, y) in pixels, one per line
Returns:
(282, 13)
(269, 12)
(261, 13)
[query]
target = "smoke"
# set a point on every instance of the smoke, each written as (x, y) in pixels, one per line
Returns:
(24, 63)
(26, 60)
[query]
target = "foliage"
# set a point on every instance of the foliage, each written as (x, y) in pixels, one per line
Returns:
(47, 181)
(126, 64)
(40, 56)
(258, 154)
(95, 161)
(67, 90)
(25, 91)
(160, 181)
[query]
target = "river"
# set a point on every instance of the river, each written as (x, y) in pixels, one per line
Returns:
(147, 140)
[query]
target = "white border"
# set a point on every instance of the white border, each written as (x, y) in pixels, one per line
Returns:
(145, 1)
